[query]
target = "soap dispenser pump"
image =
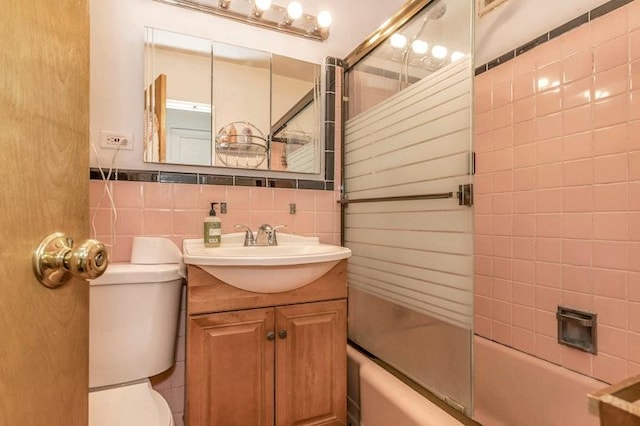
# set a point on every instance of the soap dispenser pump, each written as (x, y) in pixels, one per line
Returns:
(212, 228)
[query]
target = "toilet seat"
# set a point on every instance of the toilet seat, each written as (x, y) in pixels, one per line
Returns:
(135, 404)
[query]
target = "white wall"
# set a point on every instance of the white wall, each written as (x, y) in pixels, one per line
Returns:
(188, 75)
(516, 22)
(117, 58)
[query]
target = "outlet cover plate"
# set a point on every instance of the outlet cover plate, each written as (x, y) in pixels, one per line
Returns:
(113, 140)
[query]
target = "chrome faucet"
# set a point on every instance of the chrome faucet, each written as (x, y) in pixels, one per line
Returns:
(249, 240)
(266, 235)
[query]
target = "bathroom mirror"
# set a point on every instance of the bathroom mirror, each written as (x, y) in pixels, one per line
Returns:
(214, 104)
(178, 115)
(295, 115)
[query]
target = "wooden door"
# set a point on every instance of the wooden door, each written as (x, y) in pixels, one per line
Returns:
(311, 364)
(155, 100)
(230, 360)
(44, 156)
(160, 109)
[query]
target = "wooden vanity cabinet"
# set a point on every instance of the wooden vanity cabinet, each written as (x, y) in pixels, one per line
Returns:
(266, 359)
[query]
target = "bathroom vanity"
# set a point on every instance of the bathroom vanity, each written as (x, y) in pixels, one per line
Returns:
(266, 358)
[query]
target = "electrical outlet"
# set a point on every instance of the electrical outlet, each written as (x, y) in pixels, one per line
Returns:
(113, 140)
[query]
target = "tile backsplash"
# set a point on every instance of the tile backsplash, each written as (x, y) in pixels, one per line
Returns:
(177, 211)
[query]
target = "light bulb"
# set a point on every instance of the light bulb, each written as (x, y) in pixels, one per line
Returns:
(419, 47)
(324, 19)
(398, 41)
(456, 56)
(439, 51)
(263, 5)
(294, 10)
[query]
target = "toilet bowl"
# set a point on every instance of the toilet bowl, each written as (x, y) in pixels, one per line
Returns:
(133, 323)
(134, 404)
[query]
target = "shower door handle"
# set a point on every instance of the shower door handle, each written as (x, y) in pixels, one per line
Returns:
(55, 260)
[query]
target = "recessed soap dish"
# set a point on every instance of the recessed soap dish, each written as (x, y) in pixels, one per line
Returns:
(577, 329)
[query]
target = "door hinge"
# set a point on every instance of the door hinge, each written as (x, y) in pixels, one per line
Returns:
(465, 194)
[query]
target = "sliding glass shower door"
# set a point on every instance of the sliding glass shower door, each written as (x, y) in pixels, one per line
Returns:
(407, 204)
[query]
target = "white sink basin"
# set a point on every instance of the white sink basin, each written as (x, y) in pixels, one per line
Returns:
(294, 262)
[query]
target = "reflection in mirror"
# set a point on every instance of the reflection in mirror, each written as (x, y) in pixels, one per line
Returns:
(177, 99)
(214, 104)
(431, 41)
(241, 96)
(295, 115)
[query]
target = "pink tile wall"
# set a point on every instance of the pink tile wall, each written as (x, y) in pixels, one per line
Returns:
(557, 221)
(177, 211)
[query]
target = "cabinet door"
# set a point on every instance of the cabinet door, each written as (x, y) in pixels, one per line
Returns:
(230, 375)
(311, 364)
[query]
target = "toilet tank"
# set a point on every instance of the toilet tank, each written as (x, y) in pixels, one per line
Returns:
(133, 315)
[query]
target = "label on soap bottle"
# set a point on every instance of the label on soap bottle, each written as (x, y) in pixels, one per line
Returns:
(212, 233)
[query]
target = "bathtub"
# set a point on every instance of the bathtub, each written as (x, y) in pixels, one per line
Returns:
(512, 388)
(377, 398)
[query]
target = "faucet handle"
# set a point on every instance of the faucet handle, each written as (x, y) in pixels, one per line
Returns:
(274, 239)
(249, 240)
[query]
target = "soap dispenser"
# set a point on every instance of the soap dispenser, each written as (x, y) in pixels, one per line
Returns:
(212, 228)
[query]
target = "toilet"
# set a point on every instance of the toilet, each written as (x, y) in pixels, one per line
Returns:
(133, 324)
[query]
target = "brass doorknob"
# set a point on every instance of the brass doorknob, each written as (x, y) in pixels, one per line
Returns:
(55, 261)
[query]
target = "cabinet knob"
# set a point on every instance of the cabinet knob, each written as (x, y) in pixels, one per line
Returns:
(271, 335)
(282, 334)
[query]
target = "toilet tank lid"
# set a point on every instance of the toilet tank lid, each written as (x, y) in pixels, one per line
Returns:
(154, 251)
(127, 273)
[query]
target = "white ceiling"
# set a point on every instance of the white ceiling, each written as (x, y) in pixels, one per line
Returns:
(353, 20)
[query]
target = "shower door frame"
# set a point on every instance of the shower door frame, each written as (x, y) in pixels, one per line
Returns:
(404, 15)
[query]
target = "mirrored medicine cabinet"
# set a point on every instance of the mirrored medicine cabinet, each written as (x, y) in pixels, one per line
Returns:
(215, 104)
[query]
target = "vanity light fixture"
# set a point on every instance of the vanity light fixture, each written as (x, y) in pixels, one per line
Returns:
(260, 7)
(398, 41)
(323, 22)
(262, 13)
(419, 47)
(294, 11)
(439, 51)
(324, 19)
(456, 56)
